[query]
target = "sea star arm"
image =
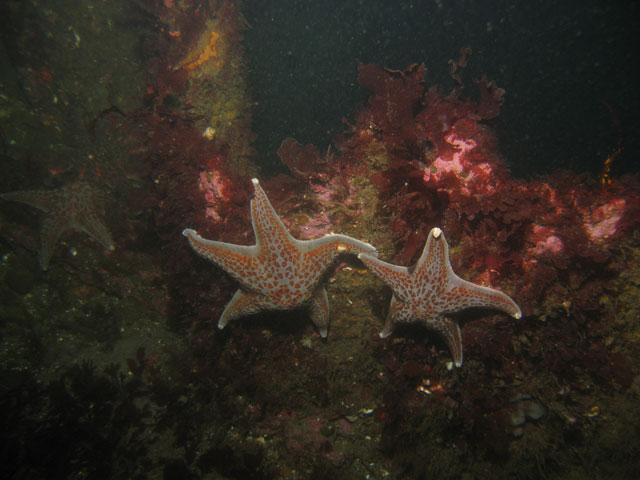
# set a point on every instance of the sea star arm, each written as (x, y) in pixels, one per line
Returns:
(42, 200)
(237, 260)
(450, 330)
(333, 245)
(96, 229)
(401, 312)
(243, 303)
(458, 294)
(306, 260)
(318, 254)
(271, 233)
(319, 308)
(461, 294)
(398, 313)
(269, 230)
(395, 276)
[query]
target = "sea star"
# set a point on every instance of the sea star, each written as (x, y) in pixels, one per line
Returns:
(279, 272)
(427, 292)
(71, 207)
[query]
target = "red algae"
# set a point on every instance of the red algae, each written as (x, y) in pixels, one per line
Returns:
(433, 160)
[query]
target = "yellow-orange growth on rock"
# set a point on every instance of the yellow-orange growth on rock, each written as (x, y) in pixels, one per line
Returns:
(199, 57)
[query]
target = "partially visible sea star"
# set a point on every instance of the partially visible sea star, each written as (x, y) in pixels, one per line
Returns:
(70, 208)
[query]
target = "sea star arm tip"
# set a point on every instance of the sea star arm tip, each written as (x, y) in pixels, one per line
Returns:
(243, 303)
(386, 331)
(450, 330)
(395, 276)
(319, 308)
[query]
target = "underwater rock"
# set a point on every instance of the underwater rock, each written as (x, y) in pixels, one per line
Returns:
(175, 469)
(517, 416)
(533, 410)
(524, 408)
(19, 279)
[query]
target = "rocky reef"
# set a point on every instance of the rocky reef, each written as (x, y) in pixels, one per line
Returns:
(111, 362)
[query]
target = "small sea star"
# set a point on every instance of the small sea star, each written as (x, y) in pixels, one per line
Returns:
(71, 207)
(279, 272)
(427, 292)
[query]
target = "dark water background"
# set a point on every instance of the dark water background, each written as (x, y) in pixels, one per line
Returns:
(557, 61)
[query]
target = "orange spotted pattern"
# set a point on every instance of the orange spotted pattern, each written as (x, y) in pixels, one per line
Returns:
(279, 272)
(430, 290)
